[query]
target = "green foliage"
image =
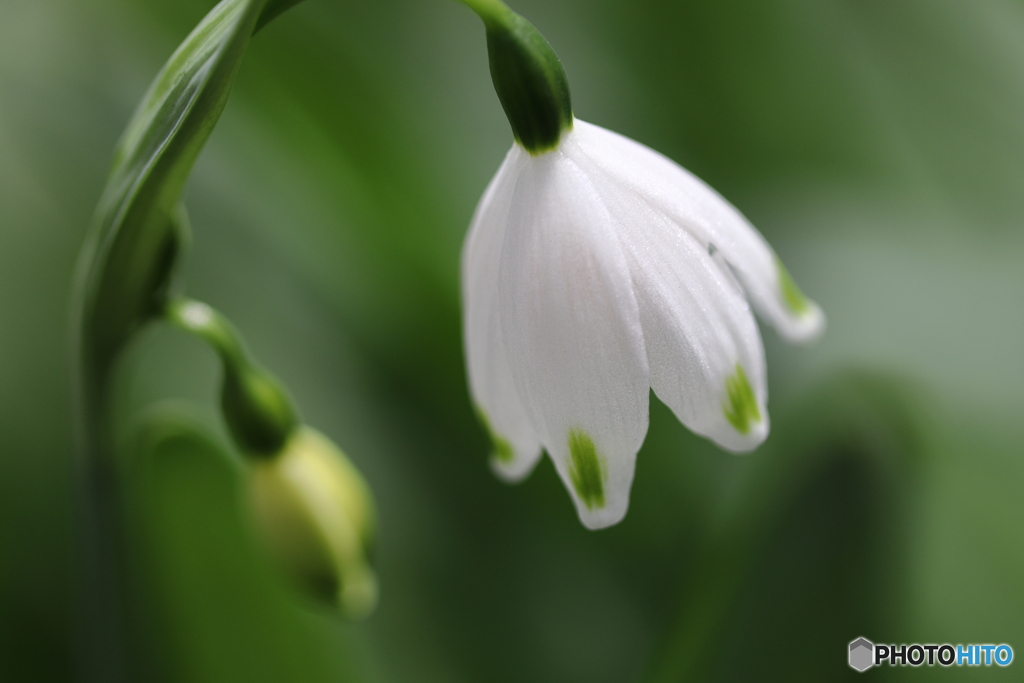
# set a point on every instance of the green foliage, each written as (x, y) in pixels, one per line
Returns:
(138, 230)
(124, 271)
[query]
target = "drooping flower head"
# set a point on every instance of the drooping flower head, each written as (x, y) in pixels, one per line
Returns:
(596, 269)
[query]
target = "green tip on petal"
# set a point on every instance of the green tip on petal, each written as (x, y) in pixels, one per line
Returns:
(503, 451)
(742, 410)
(586, 470)
(791, 294)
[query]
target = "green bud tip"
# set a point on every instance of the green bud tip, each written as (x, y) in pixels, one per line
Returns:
(256, 408)
(315, 514)
(528, 77)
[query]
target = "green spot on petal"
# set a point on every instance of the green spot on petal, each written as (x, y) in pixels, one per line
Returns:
(586, 469)
(503, 451)
(791, 294)
(742, 410)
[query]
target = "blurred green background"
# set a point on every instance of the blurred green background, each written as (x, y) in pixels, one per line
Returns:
(877, 144)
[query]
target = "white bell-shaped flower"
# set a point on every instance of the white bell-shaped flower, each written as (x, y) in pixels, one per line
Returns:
(594, 272)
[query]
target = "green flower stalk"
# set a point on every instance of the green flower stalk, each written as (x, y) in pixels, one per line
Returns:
(122, 280)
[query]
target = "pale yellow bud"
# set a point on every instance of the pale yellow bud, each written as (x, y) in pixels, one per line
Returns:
(316, 514)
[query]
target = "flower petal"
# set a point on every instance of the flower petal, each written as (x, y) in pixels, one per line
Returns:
(707, 360)
(713, 221)
(705, 353)
(572, 330)
(516, 446)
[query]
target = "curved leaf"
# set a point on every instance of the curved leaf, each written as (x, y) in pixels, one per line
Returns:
(139, 225)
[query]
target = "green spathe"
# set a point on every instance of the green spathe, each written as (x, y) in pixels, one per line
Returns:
(528, 77)
(586, 469)
(742, 410)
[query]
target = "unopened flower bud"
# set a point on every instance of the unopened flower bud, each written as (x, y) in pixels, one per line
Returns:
(316, 516)
(312, 507)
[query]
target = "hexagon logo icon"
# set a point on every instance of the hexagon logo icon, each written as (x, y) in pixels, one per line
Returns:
(862, 654)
